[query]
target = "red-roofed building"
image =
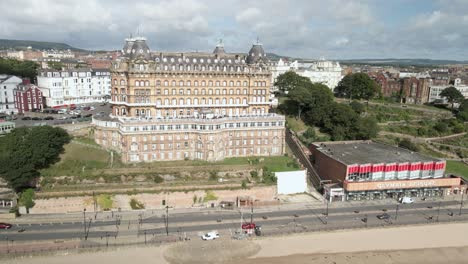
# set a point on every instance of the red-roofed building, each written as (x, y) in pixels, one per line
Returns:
(28, 97)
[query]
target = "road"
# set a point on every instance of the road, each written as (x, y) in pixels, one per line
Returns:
(272, 222)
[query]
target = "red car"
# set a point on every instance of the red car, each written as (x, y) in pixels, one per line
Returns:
(5, 226)
(248, 226)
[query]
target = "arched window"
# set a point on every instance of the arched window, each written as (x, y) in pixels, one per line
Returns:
(181, 91)
(158, 102)
(158, 83)
(245, 83)
(224, 91)
(230, 101)
(188, 83)
(210, 101)
(203, 91)
(166, 92)
(147, 83)
(174, 101)
(217, 83)
(238, 83)
(224, 100)
(189, 92)
(237, 100)
(137, 83)
(188, 101)
(195, 101)
(115, 81)
(166, 101)
(122, 82)
(244, 101)
(217, 91)
(181, 68)
(231, 83)
(224, 83)
(195, 92)
(174, 91)
(231, 91)
(210, 91)
(210, 83)
(166, 83)
(181, 83)
(203, 83)
(217, 101)
(203, 101)
(195, 83)
(238, 91)
(181, 101)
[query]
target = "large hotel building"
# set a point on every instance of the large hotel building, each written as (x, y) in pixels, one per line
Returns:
(175, 106)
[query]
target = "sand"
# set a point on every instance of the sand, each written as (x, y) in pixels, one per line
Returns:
(443, 243)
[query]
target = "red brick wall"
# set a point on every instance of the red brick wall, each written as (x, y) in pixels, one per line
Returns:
(327, 167)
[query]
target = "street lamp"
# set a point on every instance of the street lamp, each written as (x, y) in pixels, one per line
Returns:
(167, 220)
(84, 222)
(461, 203)
(396, 212)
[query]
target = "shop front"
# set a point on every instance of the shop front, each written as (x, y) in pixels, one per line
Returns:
(357, 191)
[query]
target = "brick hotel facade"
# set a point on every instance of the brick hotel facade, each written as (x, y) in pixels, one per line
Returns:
(175, 106)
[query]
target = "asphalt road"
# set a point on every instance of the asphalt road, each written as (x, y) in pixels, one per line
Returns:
(272, 222)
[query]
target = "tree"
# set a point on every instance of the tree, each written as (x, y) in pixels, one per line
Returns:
(357, 86)
(289, 81)
(26, 69)
(462, 113)
(452, 95)
(357, 107)
(407, 144)
(27, 150)
(56, 65)
(26, 199)
(366, 128)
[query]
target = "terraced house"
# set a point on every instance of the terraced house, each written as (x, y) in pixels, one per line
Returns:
(174, 106)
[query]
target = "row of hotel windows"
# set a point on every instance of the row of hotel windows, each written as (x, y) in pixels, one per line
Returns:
(186, 136)
(143, 67)
(189, 91)
(203, 101)
(202, 127)
(195, 83)
(144, 147)
(200, 155)
(188, 112)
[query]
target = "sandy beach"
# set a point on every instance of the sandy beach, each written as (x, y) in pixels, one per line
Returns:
(444, 243)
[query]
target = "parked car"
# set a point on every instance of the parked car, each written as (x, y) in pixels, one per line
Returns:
(210, 236)
(26, 118)
(92, 108)
(383, 216)
(406, 200)
(36, 118)
(5, 226)
(88, 115)
(48, 118)
(86, 108)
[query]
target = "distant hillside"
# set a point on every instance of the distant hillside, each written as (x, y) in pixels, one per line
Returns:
(41, 45)
(403, 62)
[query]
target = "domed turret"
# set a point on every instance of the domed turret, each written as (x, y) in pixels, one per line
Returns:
(127, 49)
(140, 49)
(219, 48)
(256, 54)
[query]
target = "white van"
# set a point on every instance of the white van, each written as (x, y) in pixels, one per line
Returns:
(406, 200)
(62, 111)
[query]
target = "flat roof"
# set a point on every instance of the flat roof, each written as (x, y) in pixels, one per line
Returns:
(363, 152)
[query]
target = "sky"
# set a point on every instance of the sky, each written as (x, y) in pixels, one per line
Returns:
(332, 29)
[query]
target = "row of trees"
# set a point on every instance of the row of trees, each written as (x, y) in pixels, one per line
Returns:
(25, 69)
(27, 150)
(314, 104)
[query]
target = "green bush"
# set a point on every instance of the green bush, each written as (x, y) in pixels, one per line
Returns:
(213, 176)
(105, 201)
(254, 174)
(407, 144)
(136, 205)
(210, 196)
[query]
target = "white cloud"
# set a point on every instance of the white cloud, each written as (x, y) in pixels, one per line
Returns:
(248, 15)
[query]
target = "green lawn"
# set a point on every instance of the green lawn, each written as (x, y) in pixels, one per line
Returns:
(458, 168)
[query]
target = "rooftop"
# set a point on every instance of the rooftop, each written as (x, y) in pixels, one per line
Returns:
(363, 152)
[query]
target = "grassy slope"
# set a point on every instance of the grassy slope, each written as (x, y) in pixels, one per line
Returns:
(458, 168)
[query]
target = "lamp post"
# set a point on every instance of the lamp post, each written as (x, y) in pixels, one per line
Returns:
(461, 203)
(84, 222)
(167, 220)
(396, 212)
(438, 212)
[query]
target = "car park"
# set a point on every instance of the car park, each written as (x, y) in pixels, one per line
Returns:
(5, 226)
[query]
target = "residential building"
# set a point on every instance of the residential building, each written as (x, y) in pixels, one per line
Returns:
(74, 86)
(435, 90)
(175, 106)
(367, 170)
(28, 97)
(318, 71)
(8, 84)
(59, 54)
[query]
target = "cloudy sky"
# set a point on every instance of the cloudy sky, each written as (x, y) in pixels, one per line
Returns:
(335, 29)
